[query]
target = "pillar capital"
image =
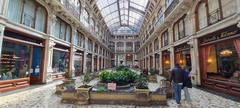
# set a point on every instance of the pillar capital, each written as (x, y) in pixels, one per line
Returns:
(238, 25)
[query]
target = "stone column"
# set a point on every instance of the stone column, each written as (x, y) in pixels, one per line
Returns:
(160, 63)
(72, 53)
(92, 69)
(2, 28)
(124, 43)
(134, 47)
(72, 68)
(85, 56)
(115, 47)
(49, 57)
(195, 73)
(172, 56)
(93, 55)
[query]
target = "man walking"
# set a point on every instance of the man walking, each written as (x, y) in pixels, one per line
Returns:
(177, 78)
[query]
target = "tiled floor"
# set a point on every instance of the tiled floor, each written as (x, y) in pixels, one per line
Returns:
(44, 97)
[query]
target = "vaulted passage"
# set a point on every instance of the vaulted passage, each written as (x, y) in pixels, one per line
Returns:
(123, 52)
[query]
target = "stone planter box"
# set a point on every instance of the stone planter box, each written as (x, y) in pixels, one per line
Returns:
(83, 96)
(68, 97)
(152, 78)
(112, 98)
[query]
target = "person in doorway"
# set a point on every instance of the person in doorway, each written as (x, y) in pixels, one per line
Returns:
(187, 83)
(177, 78)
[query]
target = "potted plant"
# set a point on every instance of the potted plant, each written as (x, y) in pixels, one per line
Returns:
(152, 77)
(83, 91)
(68, 85)
(142, 92)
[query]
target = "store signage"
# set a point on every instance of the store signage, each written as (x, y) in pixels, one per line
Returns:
(112, 86)
(182, 47)
(221, 34)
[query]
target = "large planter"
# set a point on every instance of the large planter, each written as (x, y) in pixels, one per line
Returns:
(68, 97)
(142, 96)
(83, 95)
(59, 89)
(152, 78)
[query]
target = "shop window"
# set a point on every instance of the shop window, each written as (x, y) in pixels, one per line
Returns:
(60, 61)
(14, 61)
(222, 60)
(78, 64)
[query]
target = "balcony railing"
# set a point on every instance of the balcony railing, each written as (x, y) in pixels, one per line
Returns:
(171, 7)
(73, 9)
(214, 16)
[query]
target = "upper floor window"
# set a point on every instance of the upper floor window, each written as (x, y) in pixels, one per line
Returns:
(165, 38)
(85, 18)
(214, 11)
(62, 30)
(78, 39)
(29, 13)
(179, 29)
(156, 44)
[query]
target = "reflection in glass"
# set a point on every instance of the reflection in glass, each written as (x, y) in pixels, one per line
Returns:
(14, 61)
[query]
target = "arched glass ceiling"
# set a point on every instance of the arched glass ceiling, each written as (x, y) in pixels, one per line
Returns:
(123, 16)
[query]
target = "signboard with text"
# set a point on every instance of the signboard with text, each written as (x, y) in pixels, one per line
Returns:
(111, 86)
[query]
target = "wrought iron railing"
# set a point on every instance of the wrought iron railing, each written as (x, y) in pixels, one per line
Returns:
(73, 9)
(214, 16)
(171, 7)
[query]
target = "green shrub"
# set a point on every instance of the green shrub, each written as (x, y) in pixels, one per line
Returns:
(121, 76)
(101, 89)
(152, 72)
(142, 83)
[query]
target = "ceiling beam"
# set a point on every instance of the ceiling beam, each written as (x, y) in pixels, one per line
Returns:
(128, 11)
(119, 12)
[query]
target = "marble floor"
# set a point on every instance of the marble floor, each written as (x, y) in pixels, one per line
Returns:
(43, 97)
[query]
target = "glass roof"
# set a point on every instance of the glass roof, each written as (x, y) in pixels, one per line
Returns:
(123, 16)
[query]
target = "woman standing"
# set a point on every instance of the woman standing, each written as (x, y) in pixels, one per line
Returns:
(187, 83)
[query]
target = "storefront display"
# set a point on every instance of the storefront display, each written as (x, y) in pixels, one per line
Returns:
(220, 55)
(183, 56)
(78, 64)
(166, 65)
(60, 61)
(89, 62)
(157, 62)
(15, 61)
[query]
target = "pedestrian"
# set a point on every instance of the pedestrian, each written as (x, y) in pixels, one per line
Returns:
(177, 78)
(187, 83)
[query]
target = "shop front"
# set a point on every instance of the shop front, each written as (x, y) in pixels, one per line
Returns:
(157, 62)
(89, 62)
(60, 61)
(21, 60)
(95, 63)
(183, 56)
(78, 63)
(166, 65)
(220, 60)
